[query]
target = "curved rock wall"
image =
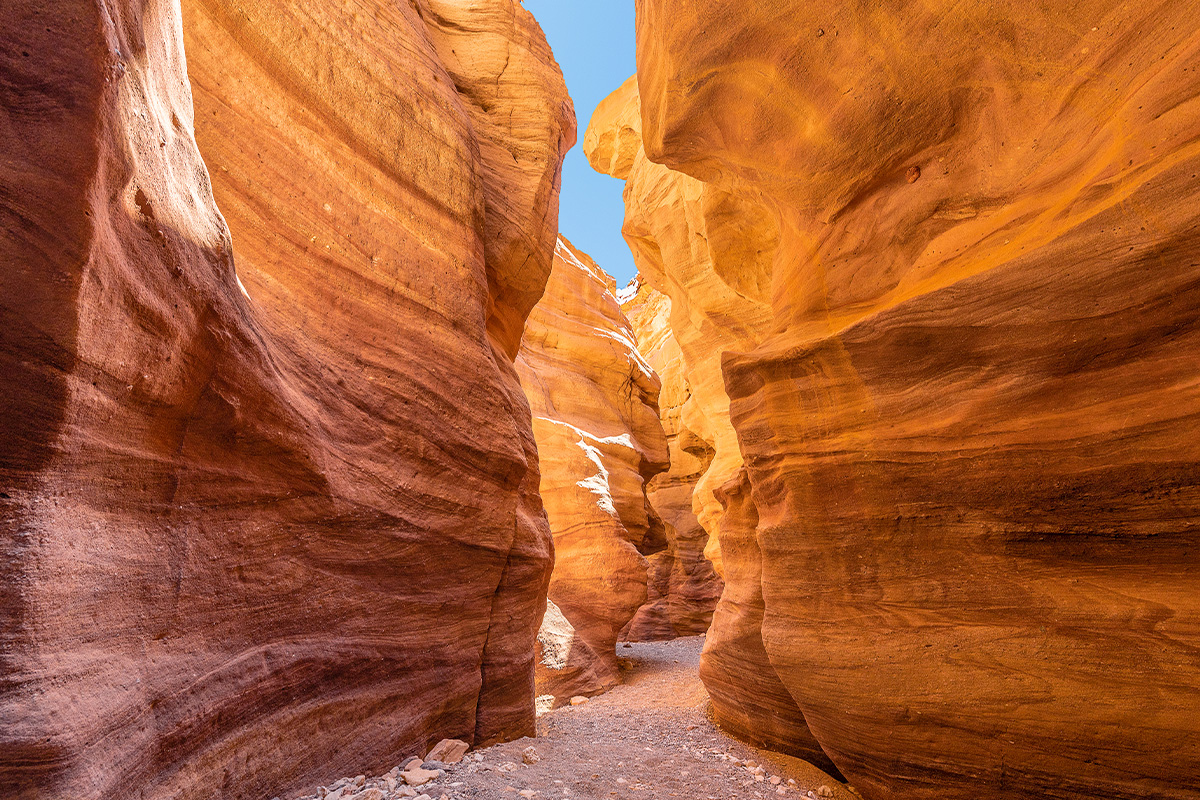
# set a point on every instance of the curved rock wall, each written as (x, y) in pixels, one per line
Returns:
(595, 415)
(270, 500)
(969, 426)
(708, 254)
(683, 588)
(749, 699)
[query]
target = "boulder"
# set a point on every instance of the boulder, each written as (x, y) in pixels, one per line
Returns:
(448, 751)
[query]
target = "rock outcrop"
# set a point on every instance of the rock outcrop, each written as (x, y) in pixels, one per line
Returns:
(567, 666)
(269, 501)
(969, 418)
(595, 417)
(683, 588)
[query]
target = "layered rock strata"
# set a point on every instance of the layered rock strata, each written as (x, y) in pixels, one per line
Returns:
(683, 588)
(595, 416)
(269, 501)
(969, 431)
(567, 666)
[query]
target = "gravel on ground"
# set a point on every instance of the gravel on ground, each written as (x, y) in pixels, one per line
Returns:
(652, 737)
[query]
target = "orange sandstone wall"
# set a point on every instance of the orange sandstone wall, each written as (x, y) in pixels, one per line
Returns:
(595, 415)
(716, 277)
(969, 426)
(683, 587)
(269, 501)
(709, 254)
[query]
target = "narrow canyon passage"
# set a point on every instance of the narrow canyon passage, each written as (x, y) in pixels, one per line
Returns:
(333, 466)
(652, 737)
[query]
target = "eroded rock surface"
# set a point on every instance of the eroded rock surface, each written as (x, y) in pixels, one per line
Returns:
(595, 416)
(567, 666)
(705, 257)
(710, 254)
(683, 588)
(270, 501)
(969, 423)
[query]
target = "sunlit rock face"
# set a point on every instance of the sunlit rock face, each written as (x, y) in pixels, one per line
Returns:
(707, 254)
(567, 666)
(683, 588)
(595, 416)
(270, 501)
(969, 423)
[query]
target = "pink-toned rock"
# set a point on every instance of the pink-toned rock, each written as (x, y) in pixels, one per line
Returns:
(416, 776)
(269, 499)
(566, 664)
(448, 751)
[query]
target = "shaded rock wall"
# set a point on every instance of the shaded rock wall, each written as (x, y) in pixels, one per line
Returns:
(392, 175)
(566, 665)
(969, 426)
(270, 501)
(595, 415)
(749, 699)
(683, 588)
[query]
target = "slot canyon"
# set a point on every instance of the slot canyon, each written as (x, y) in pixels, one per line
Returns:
(333, 469)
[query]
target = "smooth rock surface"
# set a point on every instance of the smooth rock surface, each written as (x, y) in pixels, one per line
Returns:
(970, 427)
(270, 500)
(595, 417)
(418, 776)
(749, 699)
(448, 751)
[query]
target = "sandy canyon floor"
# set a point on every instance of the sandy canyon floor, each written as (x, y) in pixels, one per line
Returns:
(649, 738)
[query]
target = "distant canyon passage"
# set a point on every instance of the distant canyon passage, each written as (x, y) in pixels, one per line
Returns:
(595, 418)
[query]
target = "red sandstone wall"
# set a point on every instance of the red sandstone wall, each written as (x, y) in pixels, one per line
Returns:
(269, 500)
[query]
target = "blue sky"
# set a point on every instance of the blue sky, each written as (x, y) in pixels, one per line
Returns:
(594, 45)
